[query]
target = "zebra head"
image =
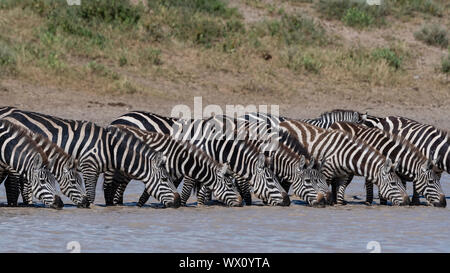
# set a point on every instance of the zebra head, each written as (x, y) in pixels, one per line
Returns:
(71, 184)
(427, 183)
(224, 189)
(160, 184)
(311, 186)
(43, 185)
(390, 185)
(265, 185)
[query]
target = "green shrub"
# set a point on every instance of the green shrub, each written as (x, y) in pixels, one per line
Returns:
(389, 55)
(353, 13)
(408, 7)
(445, 64)
(355, 17)
(297, 29)
(151, 55)
(433, 35)
(299, 61)
(7, 58)
(211, 7)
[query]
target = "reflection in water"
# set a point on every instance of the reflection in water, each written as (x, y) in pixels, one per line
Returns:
(219, 229)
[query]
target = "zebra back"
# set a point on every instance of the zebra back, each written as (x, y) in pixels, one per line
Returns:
(325, 120)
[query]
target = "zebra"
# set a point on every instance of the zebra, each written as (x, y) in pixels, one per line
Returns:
(412, 164)
(431, 141)
(99, 150)
(63, 167)
(326, 119)
(185, 161)
(345, 156)
(266, 127)
(20, 156)
(243, 158)
(288, 162)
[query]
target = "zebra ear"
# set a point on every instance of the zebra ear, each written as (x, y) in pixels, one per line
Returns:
(364, 116)
(387, 166)
(159, 158)
(312, 162)
(268, 161)
(436, 160)
(51, 163)
(261, 160)
(38, 161)
(223, 170)
(301, 163)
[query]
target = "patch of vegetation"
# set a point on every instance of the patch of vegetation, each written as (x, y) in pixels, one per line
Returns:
(102, 71)
(7, 59)
(433, 35)
(445, 64)
(298, 60)
(151, 55)
(297, 29)
(353, 13)
(409, 7)
(355, 17)
(390, 56)
(210, 7)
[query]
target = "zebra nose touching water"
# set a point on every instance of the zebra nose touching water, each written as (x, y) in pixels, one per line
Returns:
(21, 157)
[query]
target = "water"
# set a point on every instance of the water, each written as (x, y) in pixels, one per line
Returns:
(220, 229)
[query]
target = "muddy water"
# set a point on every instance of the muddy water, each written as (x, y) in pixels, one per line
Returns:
(219, 229)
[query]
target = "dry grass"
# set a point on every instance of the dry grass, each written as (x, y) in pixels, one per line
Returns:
(284, 52)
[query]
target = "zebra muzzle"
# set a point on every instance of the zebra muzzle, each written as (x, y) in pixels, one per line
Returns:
(176, 201)
(405, 201)
(286, 200)
(320, 201)
(57, 203)
(442, 202)
(84, 203)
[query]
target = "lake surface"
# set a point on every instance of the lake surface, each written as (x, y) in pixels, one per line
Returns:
(215, 228)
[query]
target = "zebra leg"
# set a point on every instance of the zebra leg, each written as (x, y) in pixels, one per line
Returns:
(369, 192)
(333, 183)
(109, 188)
(187, 190)
(243, 187)
(285, 184)
(26, 189)
(145, 196)
(342, 185)
(416, 198)
(120, 183)
(203, 195)
(90, 176)
(12, 187)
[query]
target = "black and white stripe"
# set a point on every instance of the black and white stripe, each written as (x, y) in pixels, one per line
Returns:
(103, 151)
(325, 120)
(189, 162)
(411, 164)
(345, 156)
(20, 156)
(243, 158)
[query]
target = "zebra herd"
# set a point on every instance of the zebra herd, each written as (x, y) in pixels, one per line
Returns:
(226, 157)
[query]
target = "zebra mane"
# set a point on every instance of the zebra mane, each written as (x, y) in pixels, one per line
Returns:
(22, 132)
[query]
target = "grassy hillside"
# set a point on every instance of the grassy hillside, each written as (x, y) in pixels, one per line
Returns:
(258, 47)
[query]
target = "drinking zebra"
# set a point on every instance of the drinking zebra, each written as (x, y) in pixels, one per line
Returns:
(103, 151)
(287, 159)
(412, 164)
(346, 156)
(243, 158)
(62, 166)
(19, 155)
(185, 160)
